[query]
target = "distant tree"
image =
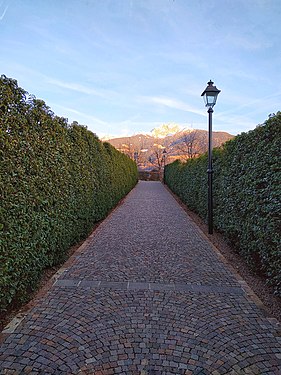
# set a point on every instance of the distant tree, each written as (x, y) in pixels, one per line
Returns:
(157, 156)
(190, 144)
(127, 147)
(183, 144)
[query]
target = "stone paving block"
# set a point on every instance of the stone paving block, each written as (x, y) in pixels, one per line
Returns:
(147, 296)
(113, 284)
(67, 283)
(158, 286)
(89, 284)
(137, 285)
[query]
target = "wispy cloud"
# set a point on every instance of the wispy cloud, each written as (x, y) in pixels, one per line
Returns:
(238, 121)
(79, 88)
(173, 103)
(82, 116)
(247, 43)
(183, 57)
(4, 13)
(254, 104)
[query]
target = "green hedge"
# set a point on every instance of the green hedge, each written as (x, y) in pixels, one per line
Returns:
(56, 181)
(247, 194)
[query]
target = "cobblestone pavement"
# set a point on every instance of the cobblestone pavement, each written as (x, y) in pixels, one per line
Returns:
(146, 294)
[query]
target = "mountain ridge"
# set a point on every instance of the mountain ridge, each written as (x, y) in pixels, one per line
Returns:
(147, 149)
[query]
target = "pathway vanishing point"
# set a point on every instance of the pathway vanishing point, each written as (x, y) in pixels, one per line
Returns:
(146, 294)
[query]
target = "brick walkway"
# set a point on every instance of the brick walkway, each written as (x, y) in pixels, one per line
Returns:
(146, 294)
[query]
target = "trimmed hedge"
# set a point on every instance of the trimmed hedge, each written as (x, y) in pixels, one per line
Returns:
(247, 194)
(56, 181)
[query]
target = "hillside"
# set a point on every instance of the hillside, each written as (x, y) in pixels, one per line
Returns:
(147, 150)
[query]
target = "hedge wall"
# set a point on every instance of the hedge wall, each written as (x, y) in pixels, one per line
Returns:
(56, 181)
(247, 194)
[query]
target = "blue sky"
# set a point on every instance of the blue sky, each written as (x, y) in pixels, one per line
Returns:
(126, 66)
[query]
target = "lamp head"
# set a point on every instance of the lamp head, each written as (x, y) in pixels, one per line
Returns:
(210, 95)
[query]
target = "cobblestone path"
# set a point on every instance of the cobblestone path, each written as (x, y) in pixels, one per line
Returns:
(146, 294)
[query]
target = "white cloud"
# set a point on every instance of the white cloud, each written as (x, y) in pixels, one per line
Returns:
(255, 105)
(78, 88)
(4, 13)
(82, 116)
(173, 103)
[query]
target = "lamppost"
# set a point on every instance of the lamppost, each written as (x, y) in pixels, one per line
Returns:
(136, 155)
(164, 153)
(210, 95)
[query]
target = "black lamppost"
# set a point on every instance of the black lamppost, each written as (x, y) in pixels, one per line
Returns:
(136, 155)
(164, 153)
(210, 95)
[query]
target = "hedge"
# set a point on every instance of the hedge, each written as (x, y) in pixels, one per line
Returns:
(56, 181)
(247, 194)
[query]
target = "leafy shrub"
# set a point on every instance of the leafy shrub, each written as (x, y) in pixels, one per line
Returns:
(56, 181)
(247, 194)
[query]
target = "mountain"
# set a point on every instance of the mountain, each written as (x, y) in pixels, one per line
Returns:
(165, 130)
(147, 150)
